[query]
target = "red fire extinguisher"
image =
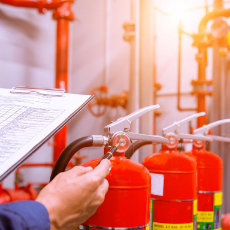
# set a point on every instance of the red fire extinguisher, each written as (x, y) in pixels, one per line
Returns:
(174, 180)
(210, 176)
(127, 203)
(226, 221)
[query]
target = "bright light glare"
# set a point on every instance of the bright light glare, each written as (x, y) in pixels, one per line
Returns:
(178, 11)
(179, 14)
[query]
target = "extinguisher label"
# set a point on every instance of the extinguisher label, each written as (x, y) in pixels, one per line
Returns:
(86, 227)
(205, 217)
(211, 219)
(157, 184)
(160, 226)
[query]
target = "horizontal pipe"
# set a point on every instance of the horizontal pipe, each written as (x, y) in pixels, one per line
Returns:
(173, 94)
(27, 165)
(39, 4)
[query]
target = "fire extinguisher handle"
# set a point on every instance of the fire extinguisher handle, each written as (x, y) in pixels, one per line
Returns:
(204, 130)
(193, 137)
(124, 123)
(218, 138)
(145, 137)
(177, 125)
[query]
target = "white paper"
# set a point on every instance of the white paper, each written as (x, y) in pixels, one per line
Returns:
(27, 119)
(157, 184)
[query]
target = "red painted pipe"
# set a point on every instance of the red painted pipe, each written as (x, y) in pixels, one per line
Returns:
(41, 5)
(63, 15)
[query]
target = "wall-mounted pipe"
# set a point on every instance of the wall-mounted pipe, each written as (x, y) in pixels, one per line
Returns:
(202, 61)
(179, 73)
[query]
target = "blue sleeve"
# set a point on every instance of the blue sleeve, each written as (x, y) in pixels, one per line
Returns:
(21, 215)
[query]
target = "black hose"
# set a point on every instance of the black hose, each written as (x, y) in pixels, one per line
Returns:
(135, 146)
(68, 153)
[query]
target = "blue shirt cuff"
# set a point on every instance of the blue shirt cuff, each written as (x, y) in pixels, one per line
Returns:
(33, 214)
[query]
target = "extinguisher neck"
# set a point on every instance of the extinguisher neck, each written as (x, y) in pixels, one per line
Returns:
(166, 148)
(116, 154)
(198, 148)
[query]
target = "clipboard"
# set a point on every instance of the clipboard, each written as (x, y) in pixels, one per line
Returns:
(49, 109)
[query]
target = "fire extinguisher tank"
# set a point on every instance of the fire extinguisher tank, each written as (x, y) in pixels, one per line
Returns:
(127, 203)
(173, 190)
(210, 177)
(209, 188)
(210, 170)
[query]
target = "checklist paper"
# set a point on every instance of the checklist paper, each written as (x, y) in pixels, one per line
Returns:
(29, 120)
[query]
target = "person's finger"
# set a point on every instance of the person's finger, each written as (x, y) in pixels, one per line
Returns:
(102, 190)
(104, 187)
(79, 170)
(102, 169)
(96, 177)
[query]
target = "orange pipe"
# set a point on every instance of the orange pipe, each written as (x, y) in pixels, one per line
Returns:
(202, 61)
(41, 5)
(210, 16)
(63, 15)
(179, 74)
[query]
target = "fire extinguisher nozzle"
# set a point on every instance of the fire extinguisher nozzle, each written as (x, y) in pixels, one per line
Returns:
(109, 154)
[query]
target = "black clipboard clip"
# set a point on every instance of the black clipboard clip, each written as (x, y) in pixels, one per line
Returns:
(40, 91)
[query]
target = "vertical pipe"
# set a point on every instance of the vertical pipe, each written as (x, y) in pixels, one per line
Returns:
(61, 77)
(133, 97)
(107, 40)
(202, 63)
(146, 68)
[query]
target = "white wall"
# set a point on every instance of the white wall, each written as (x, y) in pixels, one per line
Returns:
(27, 57)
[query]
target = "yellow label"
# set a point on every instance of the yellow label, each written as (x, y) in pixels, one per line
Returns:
(160, 226)
(217, 198)
(228, 37)
(147, 228)
(194, 207)
(218, 228)
(205, 216)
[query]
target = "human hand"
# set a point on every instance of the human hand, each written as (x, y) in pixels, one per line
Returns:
(73, 196)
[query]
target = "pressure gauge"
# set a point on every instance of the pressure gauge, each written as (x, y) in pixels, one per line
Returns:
(172, 141)
(123, 140)
(219, 28)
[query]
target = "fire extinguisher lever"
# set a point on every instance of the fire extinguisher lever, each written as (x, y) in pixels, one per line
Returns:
(118, 131)
(144, 137)
(124, 123)
(205, 129)
(175, 127)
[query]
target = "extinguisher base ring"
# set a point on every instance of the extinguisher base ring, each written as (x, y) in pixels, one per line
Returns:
(87, 227)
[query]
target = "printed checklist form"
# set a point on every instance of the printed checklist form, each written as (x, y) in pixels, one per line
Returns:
(28, 120)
